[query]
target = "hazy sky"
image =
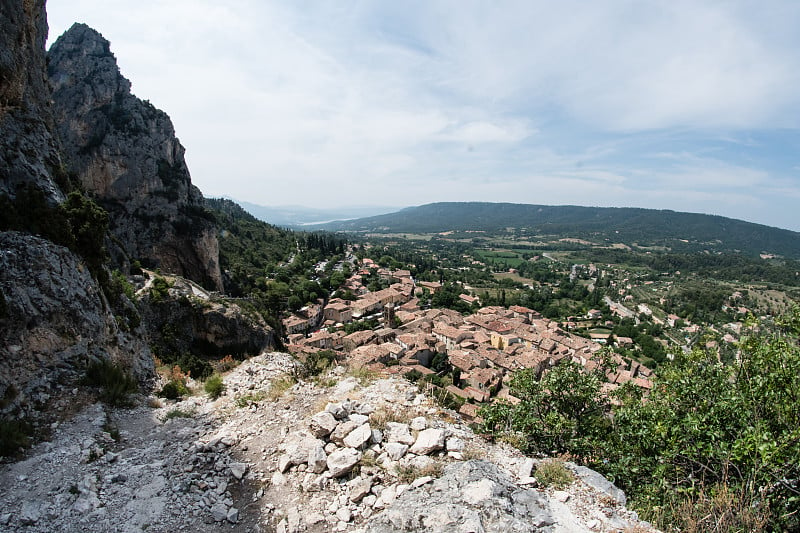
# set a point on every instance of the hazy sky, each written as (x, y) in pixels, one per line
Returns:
(686, 105)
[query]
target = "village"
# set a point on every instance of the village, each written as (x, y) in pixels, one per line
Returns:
(482, 349)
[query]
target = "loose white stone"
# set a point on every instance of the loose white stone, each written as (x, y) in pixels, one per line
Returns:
(395, 451)
(238, 470)
(342, 461)
(322, 424)
(344, 514)
(428, 441)
(359, 419)
(397, 432)
(358, 437)
(419, 423)
(561, 496)
(525, 468)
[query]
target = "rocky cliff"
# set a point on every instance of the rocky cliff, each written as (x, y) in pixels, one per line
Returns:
(124, 152)
(54, 322)
(54, 317)
(29, 154)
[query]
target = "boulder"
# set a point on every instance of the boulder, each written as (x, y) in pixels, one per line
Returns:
(358, 437)
(359, 487)
(398, 432)
(428, 441)
(395, 450)
(419, 423)
(342, 430)
(322, 424)
(238, 470)
(317, 458)
(470, 496)
(342, 461)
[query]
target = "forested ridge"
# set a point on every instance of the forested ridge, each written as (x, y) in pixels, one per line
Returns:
(643, 227)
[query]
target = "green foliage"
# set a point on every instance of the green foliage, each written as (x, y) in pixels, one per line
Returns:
(360, 325)
(553, 473)
(115, 382)
(117, 285)
(177, 412)
(159, 290)
(316, 363)
(174, 389)
(89, 223)
(214, 386)
(14, 434)
(707, 434)
(561, 412)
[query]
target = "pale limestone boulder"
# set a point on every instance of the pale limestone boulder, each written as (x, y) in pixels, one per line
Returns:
(322, 424)
(342, 430)
(342, 461)
(395, 451)
(398, 432)
(358, 437)
(428, 441)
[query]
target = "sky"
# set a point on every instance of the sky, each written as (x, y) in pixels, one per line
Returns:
(689, 105)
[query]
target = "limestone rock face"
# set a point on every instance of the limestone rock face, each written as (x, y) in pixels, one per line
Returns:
(125, 152)
(470, 496)
(54, 319)
(210, 328)
(28, 149)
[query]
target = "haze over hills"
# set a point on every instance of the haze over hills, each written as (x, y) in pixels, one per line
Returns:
(598, 225)
(298, 216)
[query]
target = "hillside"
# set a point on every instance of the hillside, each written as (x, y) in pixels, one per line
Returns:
(601, 225)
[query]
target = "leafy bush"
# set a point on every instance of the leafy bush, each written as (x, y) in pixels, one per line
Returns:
(560, 412)
(14, 434)
(115, 382)
(553, 473)
(89, 223)
(173, 390)
(159, 289)
(178, 413)
(214, 386)
(316, 363)
(721, 439)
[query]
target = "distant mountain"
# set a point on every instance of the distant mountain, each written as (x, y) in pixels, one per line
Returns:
(296, 216)
(642, 227)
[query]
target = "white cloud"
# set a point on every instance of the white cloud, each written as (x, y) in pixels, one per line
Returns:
(523, 100)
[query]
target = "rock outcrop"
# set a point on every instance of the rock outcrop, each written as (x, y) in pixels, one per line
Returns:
(189, 320)
(53, 314)
(124, 151)
(55, 320)
(254, 461)
(28, 150)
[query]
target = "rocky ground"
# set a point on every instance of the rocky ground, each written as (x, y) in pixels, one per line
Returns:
(341, 453)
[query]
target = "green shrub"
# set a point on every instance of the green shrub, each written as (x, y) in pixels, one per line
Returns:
(214, 386)
(719, 438)
(115, 383)
(159, 290)
(316, 363)
(553, 473)
(173, 390)
(178, 413)
(14, 434)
